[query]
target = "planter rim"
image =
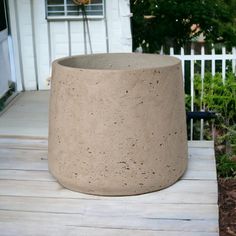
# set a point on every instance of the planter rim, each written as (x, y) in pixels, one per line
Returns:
(61, 62)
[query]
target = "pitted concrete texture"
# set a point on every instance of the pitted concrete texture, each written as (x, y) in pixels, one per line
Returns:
(117, 123)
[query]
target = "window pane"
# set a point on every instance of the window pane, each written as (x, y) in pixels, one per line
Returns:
(96, 1)
(93, 9)
(70, 2)
(55, 8)
(55, 2)
(74, 13)
(94, 13)
(56, 13)
(91, 1)
(72, 8)
(58, 8)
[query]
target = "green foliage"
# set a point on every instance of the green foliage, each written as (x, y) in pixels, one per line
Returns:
(188, 102)
(226, 167)
(212, 94)
(172, 20)
(230, 136)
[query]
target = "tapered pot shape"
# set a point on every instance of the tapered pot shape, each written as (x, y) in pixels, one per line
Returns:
(117, 123)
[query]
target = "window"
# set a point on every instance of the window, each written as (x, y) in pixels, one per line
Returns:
(59, 9)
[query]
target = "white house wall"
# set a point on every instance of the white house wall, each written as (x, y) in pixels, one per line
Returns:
(16, 62)
(119, 30)
(77, 38)
(59, 39)
(38, 42)
(41, 41)
(26, 43)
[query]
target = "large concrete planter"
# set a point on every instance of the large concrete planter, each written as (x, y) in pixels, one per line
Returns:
(117, 123)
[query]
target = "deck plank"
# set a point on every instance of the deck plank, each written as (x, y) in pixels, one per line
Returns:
(108, 221)
(108, 207)
(28, 116)
(202, 192)
(30, 196)
(29, 229)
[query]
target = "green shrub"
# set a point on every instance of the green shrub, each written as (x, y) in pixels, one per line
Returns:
(226, 167)
(214, 94)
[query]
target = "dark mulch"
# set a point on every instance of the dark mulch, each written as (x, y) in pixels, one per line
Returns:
(227, 205)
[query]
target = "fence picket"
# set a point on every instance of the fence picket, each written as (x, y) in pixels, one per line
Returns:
(213, 57)
(192, 91)
(171, 51)
(223, 63)
(183, 63)
(162, 50)
(202, 78)
(234, 60)
(213, 62)
(203, 62)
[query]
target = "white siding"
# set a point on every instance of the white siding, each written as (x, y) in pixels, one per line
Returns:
(16, 62)
(98, 36)
(26, 44)
(126, 39)
(77, 38)
(41, 43)
(37, 42)
(59, 39)
(114, 26)
(119, 30)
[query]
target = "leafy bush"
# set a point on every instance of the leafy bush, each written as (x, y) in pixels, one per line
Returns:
(226, 167)
(214, 94)
(217, 96)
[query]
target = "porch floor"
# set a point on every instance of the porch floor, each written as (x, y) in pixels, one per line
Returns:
(33, 203)
(27, 115)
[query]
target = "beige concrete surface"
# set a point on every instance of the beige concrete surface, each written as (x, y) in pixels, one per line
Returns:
(117, 123)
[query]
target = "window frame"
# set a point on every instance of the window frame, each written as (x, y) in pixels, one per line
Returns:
(71, 17)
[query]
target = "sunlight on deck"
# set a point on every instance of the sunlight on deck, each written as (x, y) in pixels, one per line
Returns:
(27, 116)
(33, 203)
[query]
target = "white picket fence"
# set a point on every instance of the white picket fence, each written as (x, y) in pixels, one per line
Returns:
(213, 57)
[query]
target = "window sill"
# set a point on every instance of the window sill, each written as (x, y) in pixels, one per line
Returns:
(80, 18)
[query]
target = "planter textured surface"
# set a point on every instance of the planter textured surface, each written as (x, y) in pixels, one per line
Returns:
(117, 123)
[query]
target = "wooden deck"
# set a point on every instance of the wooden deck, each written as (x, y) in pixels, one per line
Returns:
(33, 203)
(27, 116)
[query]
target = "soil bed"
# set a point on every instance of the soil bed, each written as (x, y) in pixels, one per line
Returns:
(227, 206)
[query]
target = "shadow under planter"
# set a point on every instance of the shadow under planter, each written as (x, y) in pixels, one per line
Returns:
(117, 123)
